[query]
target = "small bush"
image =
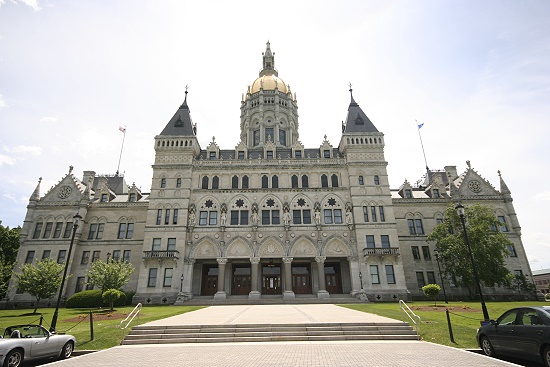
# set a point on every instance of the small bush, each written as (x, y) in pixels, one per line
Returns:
(85, 299)
(431, 290)
(112, 296)
(129, 297)
(547, 296)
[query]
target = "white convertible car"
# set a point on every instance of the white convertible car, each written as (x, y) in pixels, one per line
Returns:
(28, 342)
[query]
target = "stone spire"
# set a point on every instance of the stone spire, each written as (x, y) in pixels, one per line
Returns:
(36, 193)
(503, 187)
(268, 62)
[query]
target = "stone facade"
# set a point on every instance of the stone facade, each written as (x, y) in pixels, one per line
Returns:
(267, 218)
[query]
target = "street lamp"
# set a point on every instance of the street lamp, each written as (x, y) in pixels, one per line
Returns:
(181, 284)
(445, 296)
(460, 210)
(361, 280)
(77, 217)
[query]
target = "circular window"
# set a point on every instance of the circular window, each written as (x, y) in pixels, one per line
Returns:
(474, 186)
(64, 192)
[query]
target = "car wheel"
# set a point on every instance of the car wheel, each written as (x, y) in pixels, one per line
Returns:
(487, 347)
(546, 356)
(14, 358)
(67, 350)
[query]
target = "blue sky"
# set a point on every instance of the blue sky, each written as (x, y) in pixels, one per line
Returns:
(476, 73)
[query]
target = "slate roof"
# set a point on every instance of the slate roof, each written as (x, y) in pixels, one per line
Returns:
(117, 184)
(180, 124)
(357, 121)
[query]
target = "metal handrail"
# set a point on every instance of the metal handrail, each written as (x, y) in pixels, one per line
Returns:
(132, 314)
(412, 316)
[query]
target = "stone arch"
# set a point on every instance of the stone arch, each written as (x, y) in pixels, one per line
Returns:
(303, 247)
(336, 247)
(205, 249)
(295, 203)
(233, 203)
(271, 247)
(239, 248)
(277, 204)
(338, 202)
(202, 203)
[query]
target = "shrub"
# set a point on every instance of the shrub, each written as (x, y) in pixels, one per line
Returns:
(110, 296)
(431, 291)
(129, 297)
(547, 296)
(85, 299)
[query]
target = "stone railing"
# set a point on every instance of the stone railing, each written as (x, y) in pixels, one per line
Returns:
(165, 254)
(381, 251)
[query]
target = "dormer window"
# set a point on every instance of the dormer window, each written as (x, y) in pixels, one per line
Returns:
(435, 193)
(241, 154)
(326, 153)
(298, 154)
(212, 156)
(269, 154)
(104, 198)
(408, 193)
(132, 197)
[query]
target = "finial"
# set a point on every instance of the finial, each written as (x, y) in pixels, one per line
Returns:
(213, 139)
(499, 175)
(71, 169)
(468, 164)
(39, 179)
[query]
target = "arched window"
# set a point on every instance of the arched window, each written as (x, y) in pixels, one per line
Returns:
(234, 182)
(324, 181)
(178, 182)
(163, 183)
(334, 180)
(294, 181)
(275, 182)
(305, 181)
(205, 182)
(361, 180)
(245, 182)
(376, 180)
(215, 182)
(265, 182)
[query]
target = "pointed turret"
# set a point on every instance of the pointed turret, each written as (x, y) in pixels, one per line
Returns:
(181, 124)
(503, 187)
(268, 62)
(357, 121)
(36, 193)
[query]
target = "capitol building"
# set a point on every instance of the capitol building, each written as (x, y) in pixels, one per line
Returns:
(267, 218)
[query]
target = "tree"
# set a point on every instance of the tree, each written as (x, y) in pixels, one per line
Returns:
(109, 275)
(9, 244)
(431, 291)
(111, 295)
(41, 280)
(489, 247)
(520, 283)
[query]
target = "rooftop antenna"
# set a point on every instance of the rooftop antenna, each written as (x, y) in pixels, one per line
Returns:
(419, 126)
(123, 130)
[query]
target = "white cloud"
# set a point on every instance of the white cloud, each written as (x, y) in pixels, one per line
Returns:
(35, 150)
(32, 3)
(10, 197)
(4, 159)
(545, 195)
(2, 101)
(48, 119)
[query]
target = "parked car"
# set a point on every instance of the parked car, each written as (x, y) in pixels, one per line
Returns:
(523, 332)
(28, 342)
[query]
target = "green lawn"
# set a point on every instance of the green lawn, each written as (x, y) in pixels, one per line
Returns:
(106, 331)
(465, 318)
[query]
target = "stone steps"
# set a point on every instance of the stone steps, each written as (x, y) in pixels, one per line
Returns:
(269, 332)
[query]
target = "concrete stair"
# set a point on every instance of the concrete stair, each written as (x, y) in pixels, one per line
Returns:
(269, 332)
(272, 300)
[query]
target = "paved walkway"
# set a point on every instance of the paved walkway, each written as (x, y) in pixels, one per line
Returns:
(302, 354)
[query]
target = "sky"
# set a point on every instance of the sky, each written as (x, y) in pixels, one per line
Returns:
(476, 73)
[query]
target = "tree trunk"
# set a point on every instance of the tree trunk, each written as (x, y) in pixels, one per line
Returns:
(36, 305)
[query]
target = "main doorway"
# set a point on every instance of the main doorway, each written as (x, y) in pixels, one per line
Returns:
(333, 280)
(271, 279)
(301, 279)
(241, 279)
(209, 285)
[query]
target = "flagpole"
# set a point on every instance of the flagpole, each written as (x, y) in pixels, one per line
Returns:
(123, 129)
(423, 152)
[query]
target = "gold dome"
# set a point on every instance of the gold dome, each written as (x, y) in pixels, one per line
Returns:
(269, 82)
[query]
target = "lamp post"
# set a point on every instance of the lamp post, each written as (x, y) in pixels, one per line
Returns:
(460, 210)
(77, 217)
(361, 280)
(181, 283)
(451, 336)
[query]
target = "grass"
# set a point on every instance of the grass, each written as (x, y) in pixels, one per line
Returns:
(465, 318)
(106, 331)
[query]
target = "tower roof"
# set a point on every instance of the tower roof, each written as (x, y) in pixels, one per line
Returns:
(356, 120)
(181, 123)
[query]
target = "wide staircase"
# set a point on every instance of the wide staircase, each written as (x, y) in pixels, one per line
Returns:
(269, 332)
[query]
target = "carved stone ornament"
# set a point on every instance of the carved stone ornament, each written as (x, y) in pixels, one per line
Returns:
(474, 186)
(64, 192)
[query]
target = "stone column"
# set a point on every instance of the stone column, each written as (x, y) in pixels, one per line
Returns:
(220, 294)
(254, 293)
(322, 293)
(288, 293)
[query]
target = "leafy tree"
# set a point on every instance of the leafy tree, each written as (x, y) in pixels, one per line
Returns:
(520, 283)
(109, 275)
(489, 247)
(431, 291)
(41, 280)
(9, 244)
(111, 295)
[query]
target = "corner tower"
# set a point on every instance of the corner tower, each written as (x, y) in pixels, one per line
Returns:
(269, 112)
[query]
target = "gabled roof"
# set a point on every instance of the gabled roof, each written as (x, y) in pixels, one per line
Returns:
(356, 120)
(180, 124)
